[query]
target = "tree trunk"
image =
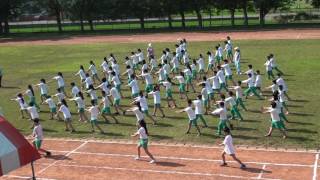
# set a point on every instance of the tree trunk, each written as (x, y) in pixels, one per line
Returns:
(91, 24)
(58, 17)
(245, 13)
(261, 16)
(142, 23)
(170, 21)
(6, 27)
(81, 22)
(232, 17)
(199, 16)
(183, 20)
(1, 28)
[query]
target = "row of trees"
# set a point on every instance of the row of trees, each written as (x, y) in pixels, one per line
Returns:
(90, 10)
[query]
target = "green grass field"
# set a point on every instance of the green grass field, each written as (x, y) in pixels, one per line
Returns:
(299, 59)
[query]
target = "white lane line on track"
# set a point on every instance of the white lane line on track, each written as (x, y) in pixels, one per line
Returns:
(315, 167)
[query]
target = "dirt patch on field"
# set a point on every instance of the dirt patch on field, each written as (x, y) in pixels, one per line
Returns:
(167, 37)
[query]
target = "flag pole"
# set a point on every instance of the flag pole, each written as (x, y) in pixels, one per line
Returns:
(32, 168)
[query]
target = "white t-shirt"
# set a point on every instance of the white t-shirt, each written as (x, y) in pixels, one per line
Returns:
(142, 133)
(268, 65)
(280, 81)
(50, 103)
(140, 56)
(215, 82)
(138, 113)
(258, 82)
(201, 63)
(175, 62)
(105, 66)
(166, 68)
(115, 68)
(134, 86)
(94, 112)
(104, 87)
(153, 63)
(116, 80)
(33, 112)
(43, 88)
(222, 112)
(180, 79)
(114, 93)
(143, 102)
(227, 69)
(93, 69)
(75, 90)
(249, 81)
(60, 96)
(88, 82)
(29, 93)
(82, 74)
(167, 85)
(238, 90)
(274, 114)
(228, 145)
(22, 104)
(38, 132)
(156, 97)
(211, 59)
(106, 102)
(161, 74)
(147, 78)
(190, 112)
(80, 102)
(60, 81)
(65, 111)
(197, 106)
(93, 94)
(221, 77)
(231, 101)
(204, 94)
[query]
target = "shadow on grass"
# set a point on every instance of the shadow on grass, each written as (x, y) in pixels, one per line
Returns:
(160, 124)
(169, 164)
(156, 136)
(9, 87)
(299, 138)
(251, 120)
(123, 124)
(301, 123)
(294, 105)
(176, 117)
(212, 135)
(58, 157)
(300, 114)
(245, 137)
(254, 111)
(299, 100)
(302, 130)
(245, 129)
(49, 130)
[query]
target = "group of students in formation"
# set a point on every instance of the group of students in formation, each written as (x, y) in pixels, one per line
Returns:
(219, 90)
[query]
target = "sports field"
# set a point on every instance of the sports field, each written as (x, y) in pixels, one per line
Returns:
(298, 58)
(74, 159)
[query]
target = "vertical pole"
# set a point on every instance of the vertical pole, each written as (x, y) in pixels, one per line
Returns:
(32, 168)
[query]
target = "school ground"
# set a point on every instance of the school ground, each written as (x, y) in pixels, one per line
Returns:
(88, 159)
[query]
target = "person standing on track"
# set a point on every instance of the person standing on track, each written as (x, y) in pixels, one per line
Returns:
(37, 134)
(143, 140)
(229, 149)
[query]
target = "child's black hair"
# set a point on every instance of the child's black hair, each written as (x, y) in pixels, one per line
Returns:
(230, 93)
(64, 102)
(221, 104)
(273, 104)
(80, 95)
(222, 96)
(104, 79)
(258, 71)
(36, 121)
(189, 102)
(208, 53)
(239, 83)
(43, 80)
(93, 102)
(250, 66)
(91, 87)
(81, 67)
(226, 130)
(31, 89)
(72, 84)
(60, 74)
(199, 96)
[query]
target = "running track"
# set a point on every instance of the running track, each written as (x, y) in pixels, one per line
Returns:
(86, 159)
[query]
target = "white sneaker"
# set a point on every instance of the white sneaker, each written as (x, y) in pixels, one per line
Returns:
(152, 161)
(136, 158)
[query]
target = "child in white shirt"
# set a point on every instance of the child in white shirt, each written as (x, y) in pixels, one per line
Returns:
(192, 117)
(94, 113)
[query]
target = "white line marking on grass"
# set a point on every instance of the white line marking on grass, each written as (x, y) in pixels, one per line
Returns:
(159, 171)
(186, 159)
(179, 145)
(315, 167)
(262, 171)
(68, 154)
(25, 177)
